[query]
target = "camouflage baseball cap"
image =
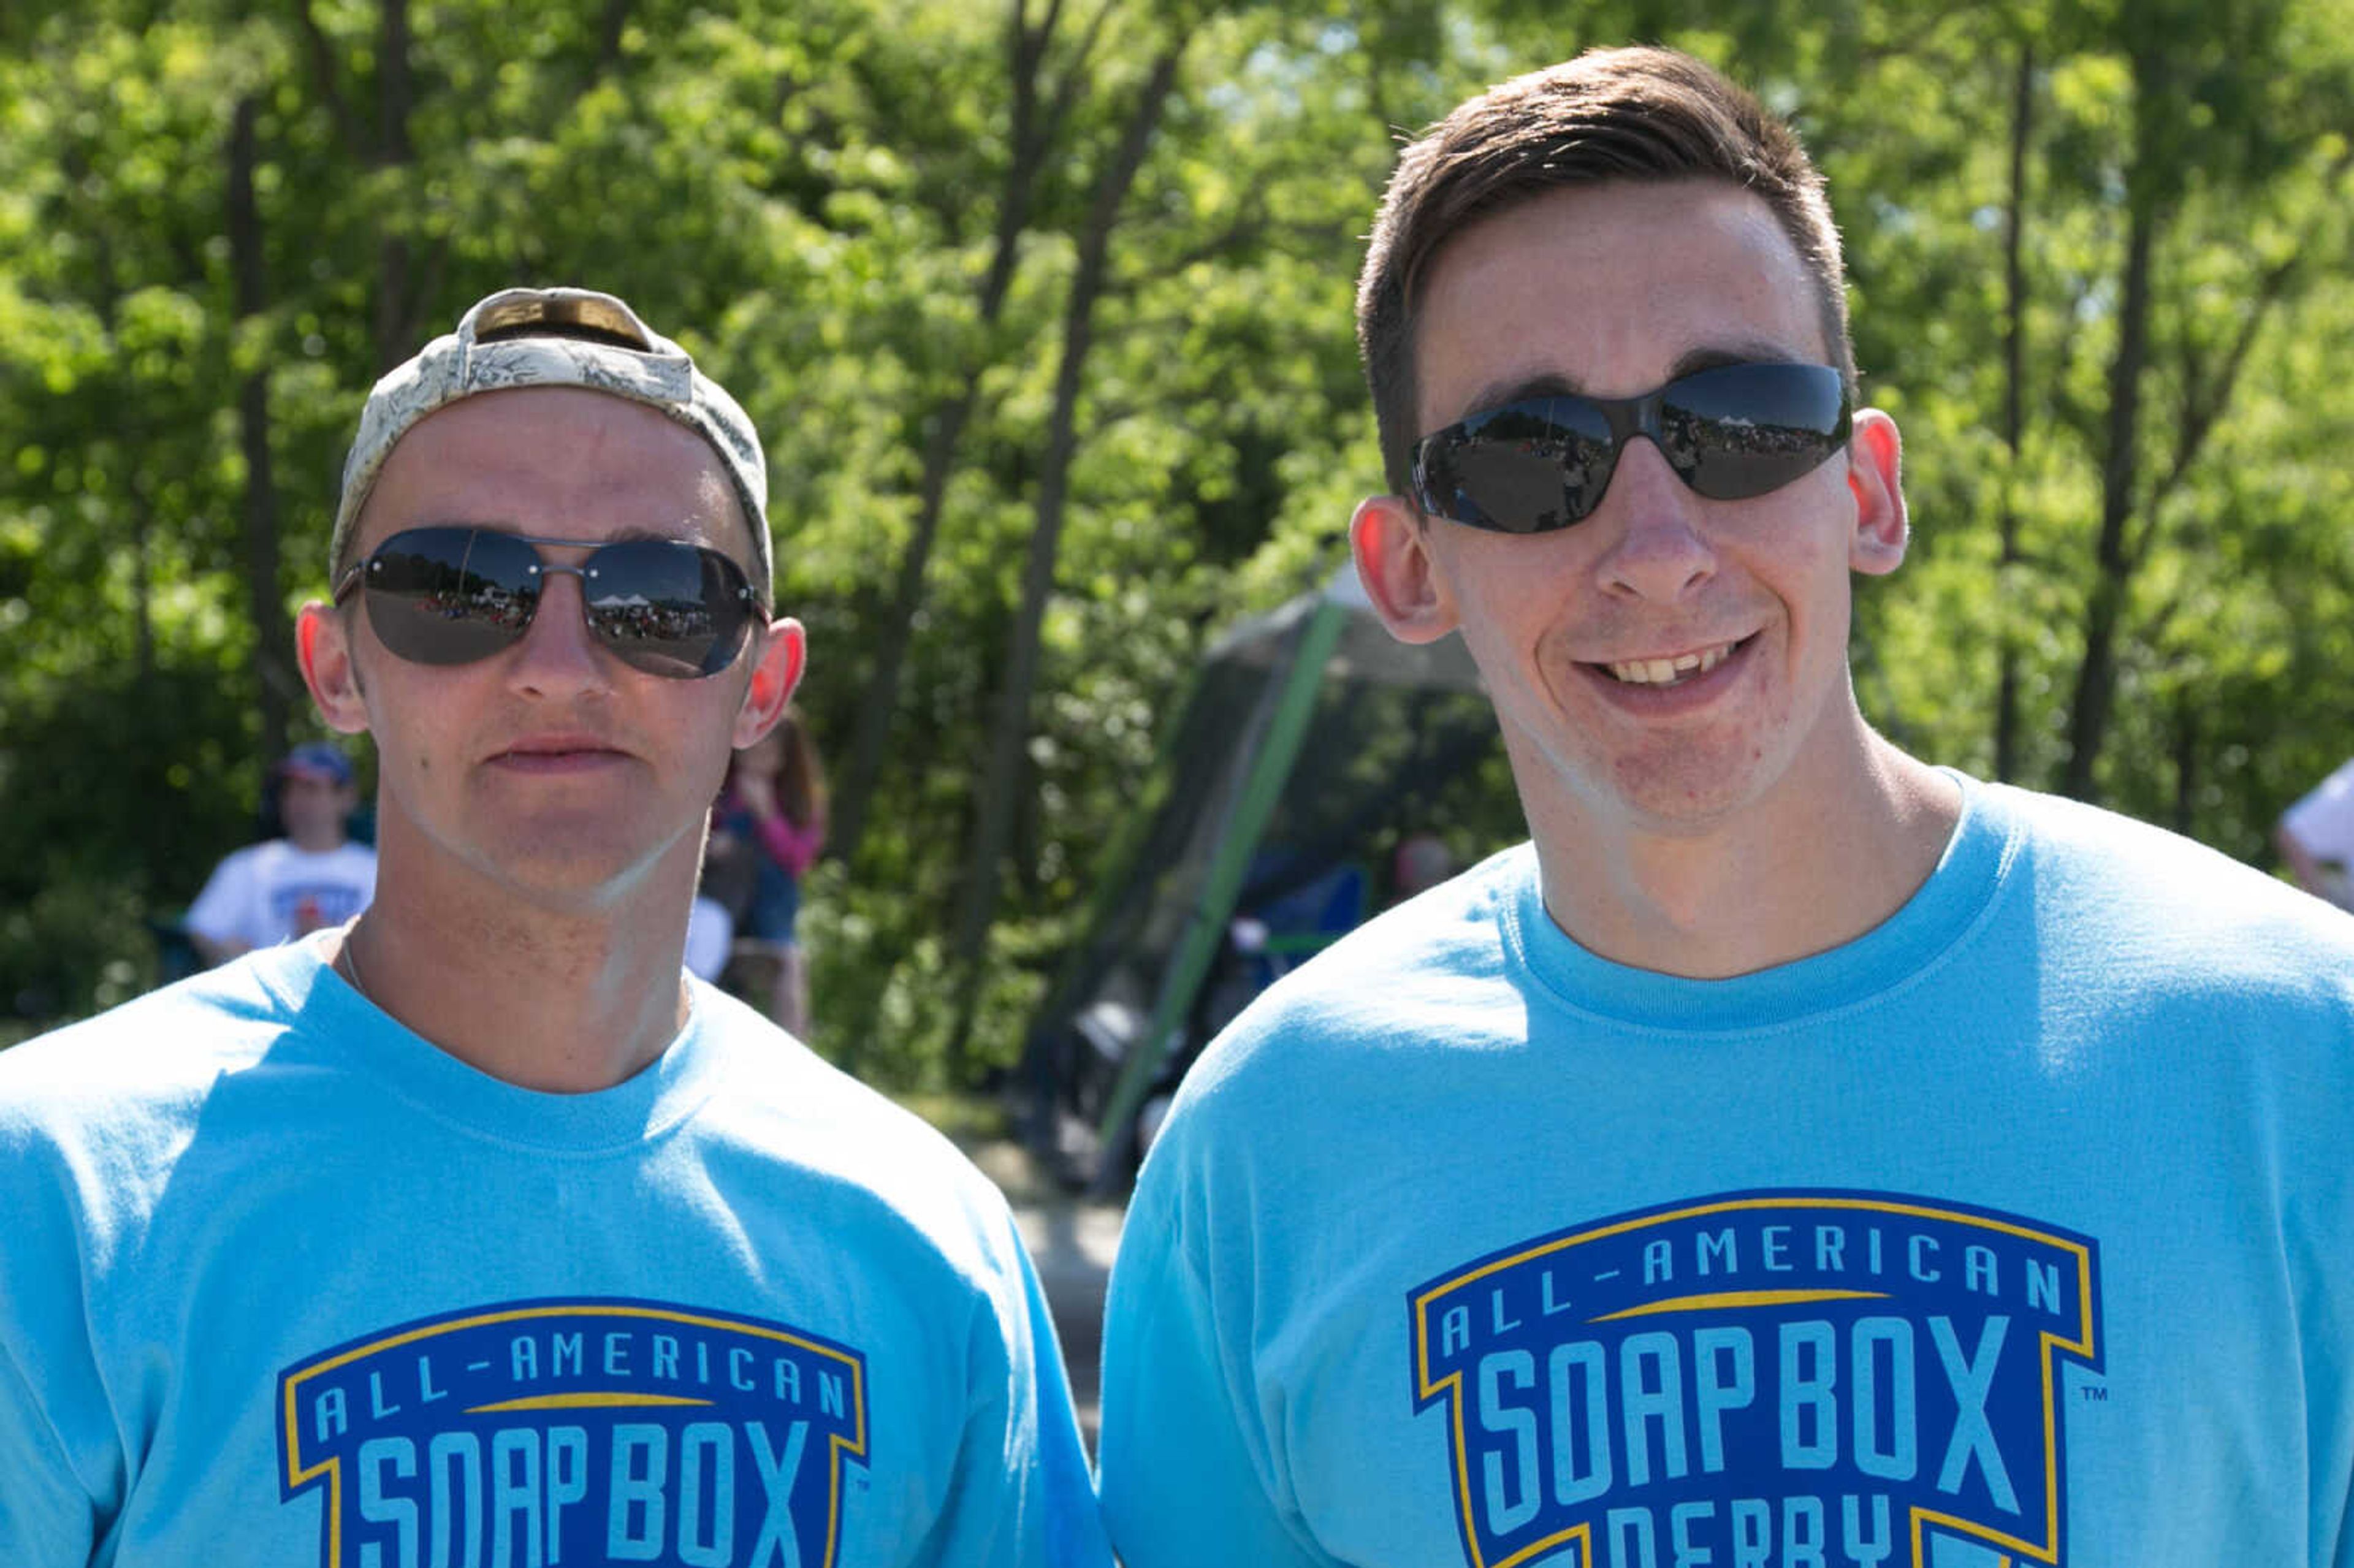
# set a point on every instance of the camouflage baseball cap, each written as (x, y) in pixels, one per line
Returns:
(555, 337)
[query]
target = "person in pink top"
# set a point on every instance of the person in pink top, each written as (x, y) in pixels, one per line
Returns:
(770, 821)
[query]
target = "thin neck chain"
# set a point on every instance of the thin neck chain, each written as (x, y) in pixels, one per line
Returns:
(349, 957)
(349, 953)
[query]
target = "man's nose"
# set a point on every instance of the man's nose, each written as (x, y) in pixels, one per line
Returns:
(557, 656)
(1660, 551)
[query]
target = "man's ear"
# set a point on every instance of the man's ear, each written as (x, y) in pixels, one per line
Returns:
(774, 676)
(1391, 541)
(1874, 459)
(322, 646)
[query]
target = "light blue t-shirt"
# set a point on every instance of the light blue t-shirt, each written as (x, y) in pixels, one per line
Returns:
(2019, 1230)
(283, 1283)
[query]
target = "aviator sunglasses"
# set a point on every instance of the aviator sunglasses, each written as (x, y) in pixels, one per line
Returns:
(453, 595)
(1541, 464)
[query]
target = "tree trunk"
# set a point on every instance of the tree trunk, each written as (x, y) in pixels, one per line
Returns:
(321, 54)
(1000, 785)
(274, 635)
(142, 590)
(2185, 763)
(879, 706)
(129, 429)
(2096, 677)
(609, 28)
(2014, 347)
(2207, 392)
(396, 309)
(1032, 138)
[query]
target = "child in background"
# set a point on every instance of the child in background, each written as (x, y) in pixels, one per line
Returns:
(2315, 837)
(312, 878)
(771, 817)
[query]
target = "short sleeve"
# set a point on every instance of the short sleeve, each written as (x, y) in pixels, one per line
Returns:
(1182, 1486)
(1021, 1496)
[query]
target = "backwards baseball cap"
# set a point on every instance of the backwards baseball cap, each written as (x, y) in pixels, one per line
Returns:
(555, 337)
(315, 760)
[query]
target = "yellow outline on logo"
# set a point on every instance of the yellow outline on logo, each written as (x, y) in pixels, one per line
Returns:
(1452, 1386)
(333, 1468)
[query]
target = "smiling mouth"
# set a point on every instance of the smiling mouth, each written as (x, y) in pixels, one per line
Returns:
(1672, 672)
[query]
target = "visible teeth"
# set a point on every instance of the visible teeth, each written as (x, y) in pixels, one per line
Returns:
(1668, 672)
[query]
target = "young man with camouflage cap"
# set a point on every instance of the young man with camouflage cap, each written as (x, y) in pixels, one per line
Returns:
(475, 1232)
(1798, 1154)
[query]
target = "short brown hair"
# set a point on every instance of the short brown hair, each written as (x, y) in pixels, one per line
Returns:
(1637, 114)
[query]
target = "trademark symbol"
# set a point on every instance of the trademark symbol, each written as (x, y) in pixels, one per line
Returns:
(2097, 1395)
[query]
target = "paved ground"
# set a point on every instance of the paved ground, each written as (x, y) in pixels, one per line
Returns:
(1072, 1242)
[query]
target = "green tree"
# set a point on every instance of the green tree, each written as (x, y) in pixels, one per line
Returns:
(1056, 370)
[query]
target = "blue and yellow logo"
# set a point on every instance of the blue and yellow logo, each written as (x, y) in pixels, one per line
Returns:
(577, 1431)
(1775, 1377)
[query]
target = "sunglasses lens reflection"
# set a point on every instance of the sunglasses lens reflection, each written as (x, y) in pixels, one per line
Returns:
(452, 596)
(1530, 468)
(1541, 464)
(668, 609)
(1752, 428)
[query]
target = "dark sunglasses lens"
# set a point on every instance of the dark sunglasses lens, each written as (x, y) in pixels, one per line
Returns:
(451, 596)
(668, 609)
(1745, 430)
(1525, 468)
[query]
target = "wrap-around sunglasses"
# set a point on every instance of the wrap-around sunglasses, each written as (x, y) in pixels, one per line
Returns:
(451, 594)
(1542, 464)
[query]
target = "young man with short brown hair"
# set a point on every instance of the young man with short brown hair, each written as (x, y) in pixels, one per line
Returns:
(1797, 1154)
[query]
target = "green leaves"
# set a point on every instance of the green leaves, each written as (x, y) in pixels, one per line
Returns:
(865, 220)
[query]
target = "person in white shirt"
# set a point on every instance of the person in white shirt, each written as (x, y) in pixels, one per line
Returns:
(312, 878)
(2315, 837)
